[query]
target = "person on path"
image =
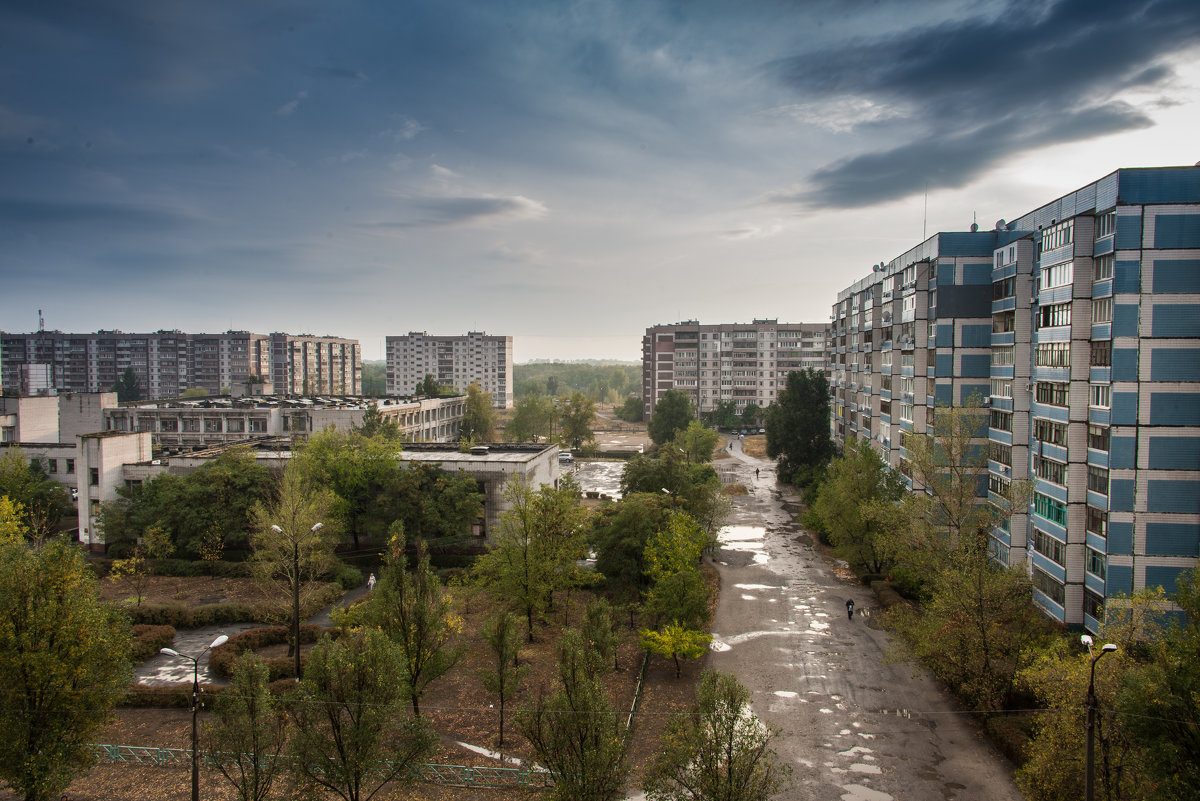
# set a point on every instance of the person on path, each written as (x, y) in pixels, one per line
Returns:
(850, 609)
(756, 472)
(371, 583)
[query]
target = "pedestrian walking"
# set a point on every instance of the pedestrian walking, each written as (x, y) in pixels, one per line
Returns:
(371, 583)
(756, 472)
(850, 609)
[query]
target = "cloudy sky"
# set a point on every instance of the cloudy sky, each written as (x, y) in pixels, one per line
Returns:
(565, 172)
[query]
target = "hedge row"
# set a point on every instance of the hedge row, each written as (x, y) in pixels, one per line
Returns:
(147, 640)
(182, 616)
(283, 667)
(179, 696)
(349, 577)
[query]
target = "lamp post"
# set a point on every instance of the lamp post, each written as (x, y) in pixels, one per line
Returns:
(195, 660)
(1090, 775)
(296, 590)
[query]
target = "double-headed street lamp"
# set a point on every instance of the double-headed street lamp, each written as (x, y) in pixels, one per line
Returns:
(1090, 775)
(195, 660)
(296, 589)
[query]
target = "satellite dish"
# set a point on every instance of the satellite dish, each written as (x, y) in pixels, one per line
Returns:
(1001, 224)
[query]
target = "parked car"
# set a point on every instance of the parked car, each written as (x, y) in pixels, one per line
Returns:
(565, 457)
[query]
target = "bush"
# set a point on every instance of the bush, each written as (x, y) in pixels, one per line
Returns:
(346, 576)
(186, 568)
(121, 549)
(223, 657)
(886, 594)
(1011, 734)
(147, 640)
(170, 696)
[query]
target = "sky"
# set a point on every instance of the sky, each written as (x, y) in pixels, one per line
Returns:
(567, 173)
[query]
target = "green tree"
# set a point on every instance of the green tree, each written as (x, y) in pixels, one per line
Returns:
(542, 537)
(128, 387)
(351, 737)
(12, 526)
(675, 641)
(574, 732)
(717, 751)
(430, 388)
(374, 378)
(249, 731)
(677, 592)
(619, 533)
(724, 414)
(64, 663)
(44, 502)
(631, 409)
(578, 414)
(599, 632)
(798, 427)
(415, 612)
(437, 507)
(532, 419)
(502, 678)
(695, 488)
(479, 416)
(672, 414)
(752, 414)
(136, 570)
(363, 473)
(374, 424)
(697, 442)
(854, 502)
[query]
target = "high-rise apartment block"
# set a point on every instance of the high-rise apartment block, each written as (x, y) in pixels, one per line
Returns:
(453, 361)
(1078, 326)
(167, 363)
(740, 362)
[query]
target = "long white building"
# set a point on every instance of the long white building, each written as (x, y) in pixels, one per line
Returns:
(453, 361)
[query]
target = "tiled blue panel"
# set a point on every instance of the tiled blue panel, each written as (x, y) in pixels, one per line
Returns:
(942, 393)
(1118, 580)
(968, 391)
(1127, 276)
(1174, 364)
(1182, 497)
(1173, 539)
(1059, 572)
(1124, 409)
(1102, 289)
(1165, 577)
(1159, 185)
(1098, 459)
(945, 274)
(944, 364)
(1124, 364)
(1093, 583)
(1177, 230)
(1103, 246)
(1175, 321)
(1125, 320)
(1101, 417)
(1172, 276)
(1097, 500)
(961, 243)
(945, 336)
(1120, 539)
(974, 274)
(1174, 409)
(1129, 232)
(1100, 375)
(976, 336)
(1174, 453)
(1097, 542)
(1120, 494)
(1122, 453)
(976, 365)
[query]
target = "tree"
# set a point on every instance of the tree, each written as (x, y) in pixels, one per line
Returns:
(599, 632)
(128, 387)
(674, 641)
(853, 503)
(437, 507)
(374, 424)
(430, 388)
(479, 416)
(724, 414)
(751, 414)
(541, 540)
(718, 751)
(293, 545)
(64, 663)
(350, 735)
(695, 488)
(44, 502)
(533, 417)
(12, 527)
(135, 570)
(677, 593)
(249, 731)
(363, 473)
(619, 534)
(697, 442)
(672, 414)
(578, 415)
(631, 409)
(415, 612)
(798, 426)
(574, 732)
(503, 677)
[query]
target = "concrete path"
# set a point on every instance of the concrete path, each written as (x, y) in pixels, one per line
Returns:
(854, 727)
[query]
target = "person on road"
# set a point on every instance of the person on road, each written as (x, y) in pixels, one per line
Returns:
(850, 609)
(756, 472)
(370, 582)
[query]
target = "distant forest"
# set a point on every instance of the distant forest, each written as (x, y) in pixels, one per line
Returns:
(604, 382)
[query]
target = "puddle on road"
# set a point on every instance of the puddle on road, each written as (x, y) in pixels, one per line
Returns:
(857, 792)
(744, 541)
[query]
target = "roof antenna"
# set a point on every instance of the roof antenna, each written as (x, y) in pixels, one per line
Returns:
(925, 214)
(41, 322)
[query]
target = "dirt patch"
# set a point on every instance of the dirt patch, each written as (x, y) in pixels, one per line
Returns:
(736, 488)
(188, 591)
(756, 446)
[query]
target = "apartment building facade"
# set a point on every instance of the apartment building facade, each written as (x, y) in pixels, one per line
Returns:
(1078, 326)
(454, 361)
(740, 362)
(167, 363)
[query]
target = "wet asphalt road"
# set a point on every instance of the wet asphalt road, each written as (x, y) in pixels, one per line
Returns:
(854, 726)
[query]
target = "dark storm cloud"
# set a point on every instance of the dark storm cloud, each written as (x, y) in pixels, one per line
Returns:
(438, 212)
(980, 90)
(34, 213)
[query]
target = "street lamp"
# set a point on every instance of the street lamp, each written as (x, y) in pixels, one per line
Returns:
(195, 660)
(1090, 775)
(296, 590)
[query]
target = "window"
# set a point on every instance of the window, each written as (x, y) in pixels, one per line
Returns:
(1058, 236)
(1004, 322)
(1046, 584)
(235, 425)
(52, 466)
(1002, 388)
(1004, 288)
(1102, 268)
(94, 476)
(191, 424)
(997, 485)
(1051, 393)
(1052, 354)
(1101, 353)
(1093, 605)
(1099, 396)
(1058, 275)
(212, 425)
(1049, 547)
(1050, 470)
(1052, 510)
(1102, 310)
(1095, 562)
(1098, 437)
(1098, 479)
(258, 425)
(1050, 431)
(1106, 224)
(999, 452)
(168, 426)
(1096, 521)
(1002, 356)
(70, 467)
(1054, 315)
(1001, 421)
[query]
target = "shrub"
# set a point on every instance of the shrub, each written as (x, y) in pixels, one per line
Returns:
(170, 696)
(147, 640)
(223, 657)
(186, 568)
(346, 576)
(121, 549)
(182, 616)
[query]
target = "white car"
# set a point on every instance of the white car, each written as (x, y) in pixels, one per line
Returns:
(565, 457)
